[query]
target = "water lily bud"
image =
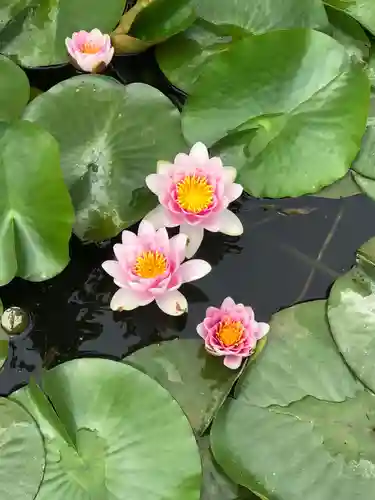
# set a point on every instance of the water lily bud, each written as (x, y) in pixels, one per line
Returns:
(90, 51)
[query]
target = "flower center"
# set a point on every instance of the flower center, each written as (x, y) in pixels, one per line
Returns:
(150, 264)
(90, 48)
(230, 332)
(194, 194)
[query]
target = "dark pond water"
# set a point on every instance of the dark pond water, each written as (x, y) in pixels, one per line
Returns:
(291, 251)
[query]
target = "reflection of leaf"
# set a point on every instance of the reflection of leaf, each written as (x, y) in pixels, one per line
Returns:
(131, 439)
(109, 142)
(306, 139)
(34, 32)
(300, 424)
(351, 314)
(22, 454)
(199, 382)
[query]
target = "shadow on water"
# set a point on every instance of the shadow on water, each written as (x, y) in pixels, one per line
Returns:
(291, 250)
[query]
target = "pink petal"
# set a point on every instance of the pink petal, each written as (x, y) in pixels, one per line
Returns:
(127, 300)
(162, 241)
(129, 238)
(194, 270)
(229, 174)
(146, 231)
(262, 330)
(195, 238)
(229, 223)
(173, 303)
(158, 217)
(228, 303)
(199, 153)
(232, 362)
(113, 268)
(182, 160)
(177, 247)
(233, 192)
(88, 62)
(156, 183)
(164, 167)
(202, 332)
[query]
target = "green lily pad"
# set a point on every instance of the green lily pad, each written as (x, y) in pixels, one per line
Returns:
(34, 32)
(109, 142)
(301, 426)
(22, 453)
(216, 485)
(364, 164)
(362, 10)
(4, 341)
(112, 432)
(36, 215)
(162, 19)
(183, 57)
(260, 16)
(199, 382)
(14, 89)
(371, 66)
(351, 314)
(305, 95)
(342, 188)
(366, 185)
(346, 30)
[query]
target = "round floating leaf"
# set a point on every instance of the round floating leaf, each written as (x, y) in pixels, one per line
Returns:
(36, 215)
(362, 10)
(4, 340)
(259, 16)
(182, 57)
(305, 95)
(112, 432)
(199, 382)
(14, 89)
(351, 314)
(301, 426)
(34, 32)
(216, 485)
(365, 161)
(162, 19)
(343, 188)
(111, 138)
(22, 454)
(349, 32)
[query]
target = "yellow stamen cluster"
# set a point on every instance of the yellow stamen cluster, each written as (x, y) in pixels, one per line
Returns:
(90, 48)
(230, 332)
(194, 194)
(150, 264)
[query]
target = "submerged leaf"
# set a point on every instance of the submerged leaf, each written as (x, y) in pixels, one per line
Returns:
(362, 10)
(111, 138)
(112, 432)
(301, 425)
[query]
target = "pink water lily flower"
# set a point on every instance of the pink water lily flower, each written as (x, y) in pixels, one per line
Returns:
(149, 267)
(231, 331)
(194, 193)
(90, 51)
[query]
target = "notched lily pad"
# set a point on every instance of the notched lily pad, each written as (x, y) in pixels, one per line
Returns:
(111, 432)
(301, 425)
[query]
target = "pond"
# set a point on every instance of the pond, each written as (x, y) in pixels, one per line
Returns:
(187, 206)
